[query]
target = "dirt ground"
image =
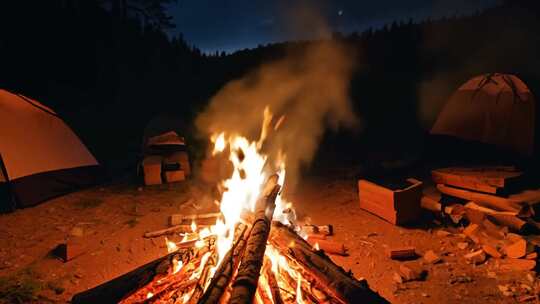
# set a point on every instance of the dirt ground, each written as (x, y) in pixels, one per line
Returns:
(109, 222)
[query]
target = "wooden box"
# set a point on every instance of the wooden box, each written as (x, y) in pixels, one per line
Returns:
(152, 170)
(397, 206)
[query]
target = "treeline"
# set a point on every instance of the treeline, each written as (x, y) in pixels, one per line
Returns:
(108, 67)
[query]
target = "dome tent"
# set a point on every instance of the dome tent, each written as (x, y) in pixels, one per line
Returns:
(495, 109)
(40, 156)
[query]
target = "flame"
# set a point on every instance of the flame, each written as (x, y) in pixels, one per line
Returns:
(171, 246)
(193, 226)
(316, 246)
(177, 265)
(149, 295)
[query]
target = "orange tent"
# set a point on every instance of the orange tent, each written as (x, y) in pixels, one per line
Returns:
(40, 156)
(495, 109)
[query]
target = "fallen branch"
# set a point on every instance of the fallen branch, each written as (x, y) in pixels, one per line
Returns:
(171, 230)
(177, 219)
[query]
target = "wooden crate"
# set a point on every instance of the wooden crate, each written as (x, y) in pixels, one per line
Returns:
(397, 206)
(152, 170)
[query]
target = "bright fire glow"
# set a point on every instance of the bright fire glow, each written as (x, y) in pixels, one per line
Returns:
(171, 246)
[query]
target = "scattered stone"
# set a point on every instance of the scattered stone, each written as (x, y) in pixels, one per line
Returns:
(462, 245)
(431, 257)
(410, 274)
(460, 279)
(68, 251)
(76, 232)
(491, 251)
(476, 257)
(516, 250)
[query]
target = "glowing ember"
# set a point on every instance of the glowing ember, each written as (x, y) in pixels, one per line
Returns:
(193, 226)
(316, 246)
(149, 295)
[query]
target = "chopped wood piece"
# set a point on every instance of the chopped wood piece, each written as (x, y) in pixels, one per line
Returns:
(516, 265)
(491, 251)
(486, 200)
(404, 253)
(68, 251)
(410, 274)
(325, 230)
(532, 256)
(329, 246)
(491, 179)
(516, 250)
(177, 219)
(472, 232)
(431, 257)
(315, 237)
(476, 257)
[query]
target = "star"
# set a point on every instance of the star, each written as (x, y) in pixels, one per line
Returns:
(340, 12)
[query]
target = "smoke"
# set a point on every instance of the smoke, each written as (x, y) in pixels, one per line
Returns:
(309, 87)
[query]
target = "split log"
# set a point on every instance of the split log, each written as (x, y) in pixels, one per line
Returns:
(226, 269)
(177, 219)
(245, 283)
(486, 200)
(320, 270)
(171, 230)
(454, 211)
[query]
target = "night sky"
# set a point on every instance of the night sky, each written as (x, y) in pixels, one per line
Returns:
(229, 25)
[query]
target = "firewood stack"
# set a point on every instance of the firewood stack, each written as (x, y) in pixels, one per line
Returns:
(498, 219)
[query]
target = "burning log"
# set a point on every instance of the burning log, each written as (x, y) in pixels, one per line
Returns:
(119, 288)
(247, 278)
(320, 270)
(177, 219)
(226, 270)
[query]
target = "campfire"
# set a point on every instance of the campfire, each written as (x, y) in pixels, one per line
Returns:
(255, 252)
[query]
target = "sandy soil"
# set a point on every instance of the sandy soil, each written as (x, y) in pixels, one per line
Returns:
(112, 220)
